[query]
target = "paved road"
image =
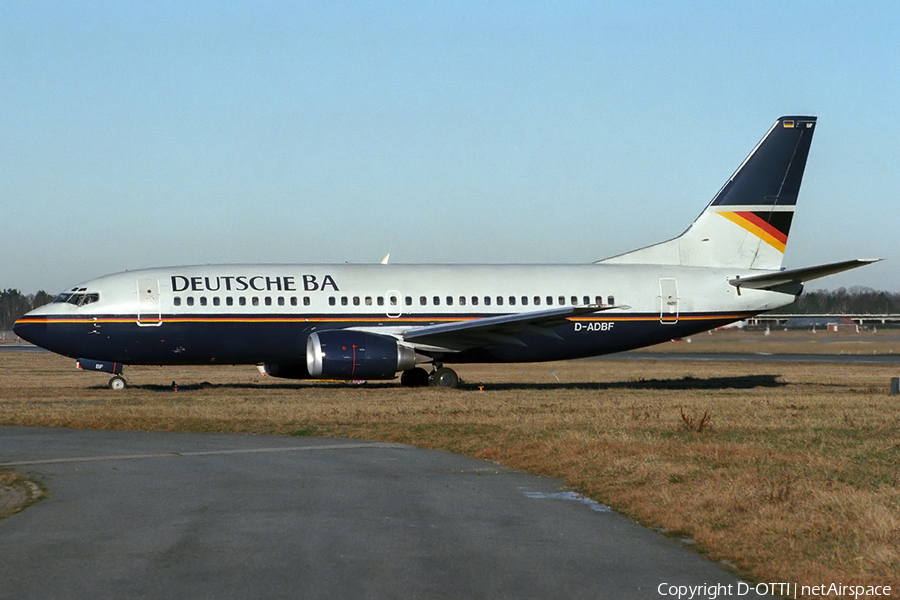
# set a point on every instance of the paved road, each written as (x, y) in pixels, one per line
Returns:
(169, 515)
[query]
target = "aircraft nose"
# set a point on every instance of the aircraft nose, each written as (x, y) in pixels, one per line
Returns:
(30, 330)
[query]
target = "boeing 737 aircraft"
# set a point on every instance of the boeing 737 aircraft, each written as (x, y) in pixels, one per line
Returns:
(375, 321)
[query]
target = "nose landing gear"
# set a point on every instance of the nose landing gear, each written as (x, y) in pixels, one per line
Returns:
(117, 382)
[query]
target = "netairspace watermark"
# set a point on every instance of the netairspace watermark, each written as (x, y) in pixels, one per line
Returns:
(711, 591)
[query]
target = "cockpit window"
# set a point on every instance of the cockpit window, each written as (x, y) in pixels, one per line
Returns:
(79, 298)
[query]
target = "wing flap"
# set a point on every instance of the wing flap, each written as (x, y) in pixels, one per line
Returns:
(502, 329)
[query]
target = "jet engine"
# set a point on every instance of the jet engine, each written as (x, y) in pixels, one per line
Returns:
(349, 354)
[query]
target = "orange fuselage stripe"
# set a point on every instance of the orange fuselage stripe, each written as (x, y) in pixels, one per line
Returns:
(350, 318)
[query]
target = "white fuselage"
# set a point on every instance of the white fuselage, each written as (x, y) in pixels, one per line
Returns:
(178, 313)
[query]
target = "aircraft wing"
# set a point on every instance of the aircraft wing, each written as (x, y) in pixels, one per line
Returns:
(768, 281)
(502, 329)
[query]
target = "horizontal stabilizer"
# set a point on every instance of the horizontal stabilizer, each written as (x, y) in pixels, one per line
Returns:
(770, 281)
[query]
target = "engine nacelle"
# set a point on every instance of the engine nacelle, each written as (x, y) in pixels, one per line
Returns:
(348, 354)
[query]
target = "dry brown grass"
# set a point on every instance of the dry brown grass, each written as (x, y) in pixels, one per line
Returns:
(794, 476)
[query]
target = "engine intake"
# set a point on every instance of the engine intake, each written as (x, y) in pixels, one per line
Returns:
(349, 354)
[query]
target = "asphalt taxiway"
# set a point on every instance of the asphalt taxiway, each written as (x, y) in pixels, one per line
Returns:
(135, 514)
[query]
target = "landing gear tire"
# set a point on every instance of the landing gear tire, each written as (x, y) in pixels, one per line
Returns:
(117, 383)
(444, 378)
(415, 377)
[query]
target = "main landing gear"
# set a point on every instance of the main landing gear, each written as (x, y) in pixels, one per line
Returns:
(441, 377)
(444, 378)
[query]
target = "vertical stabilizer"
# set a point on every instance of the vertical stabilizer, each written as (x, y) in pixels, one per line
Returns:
(747, 223)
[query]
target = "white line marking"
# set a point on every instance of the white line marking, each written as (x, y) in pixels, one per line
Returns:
(77, 459)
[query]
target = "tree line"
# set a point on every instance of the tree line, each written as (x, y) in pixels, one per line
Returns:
(853, 300)
(14, 304)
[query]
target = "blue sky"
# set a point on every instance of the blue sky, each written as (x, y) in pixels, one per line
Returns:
(149, 134)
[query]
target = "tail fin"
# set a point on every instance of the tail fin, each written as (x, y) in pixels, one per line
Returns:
(746, 225)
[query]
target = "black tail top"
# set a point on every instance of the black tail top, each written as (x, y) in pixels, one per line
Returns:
(771, 175)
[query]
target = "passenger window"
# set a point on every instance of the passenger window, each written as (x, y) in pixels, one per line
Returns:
(216, 301)
(562, 300)
(587, 300)
(380, 300)
(449, 300)
(574, 300)
(331, 301)
(344, 301)
(499, 300)
(293, 300)
(190, 300)
(598, 300)
(202, 300)
(280, 300)
(268, 300)
(355, 300)
(368, 300)
(408, 301)
(524, 300)
(437, 300)
(177, 301)
(423, 300)
(537, 300)
(611, 300)
(474, 300)
(242, 300)
(512, 300)
(229, 301)
(254, 301)
(462, 300)
(305, 300)
(549, 300)
(487, 300)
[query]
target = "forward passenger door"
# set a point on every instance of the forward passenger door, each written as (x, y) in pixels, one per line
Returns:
(149, 304)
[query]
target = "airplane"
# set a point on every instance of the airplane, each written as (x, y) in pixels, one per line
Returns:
(371, 322)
